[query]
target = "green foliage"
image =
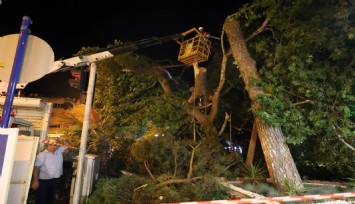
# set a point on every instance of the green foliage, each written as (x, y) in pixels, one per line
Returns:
(317, 154)
(168, 156)
(134, 189)
(120, 158)
(253, 173)
(123, 189)
(133, 98)
(209, 189)
(161, 152)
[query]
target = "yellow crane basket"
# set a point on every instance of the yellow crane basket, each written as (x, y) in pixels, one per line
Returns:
(196, 49)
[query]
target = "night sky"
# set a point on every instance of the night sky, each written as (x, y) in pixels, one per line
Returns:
(67, 26)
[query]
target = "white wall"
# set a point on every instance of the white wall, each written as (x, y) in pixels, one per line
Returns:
(26, 150)
(8, 140)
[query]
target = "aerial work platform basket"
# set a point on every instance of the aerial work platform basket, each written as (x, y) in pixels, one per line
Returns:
(195, 49)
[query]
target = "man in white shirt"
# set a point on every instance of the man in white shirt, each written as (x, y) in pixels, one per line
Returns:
(48, 168)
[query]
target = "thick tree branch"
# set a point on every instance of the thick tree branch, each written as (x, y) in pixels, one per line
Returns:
(215, 98)
(173, 181)
(259, 30)
(226, 118)
(200, 117)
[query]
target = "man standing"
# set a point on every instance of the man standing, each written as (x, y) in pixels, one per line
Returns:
(48, 168)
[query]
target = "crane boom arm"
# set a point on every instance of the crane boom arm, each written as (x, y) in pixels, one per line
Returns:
(103, 54)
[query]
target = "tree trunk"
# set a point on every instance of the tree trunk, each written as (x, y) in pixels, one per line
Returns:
(206, 119)
(278, 158)
(198, 95)
(277, 155)
(252, 144)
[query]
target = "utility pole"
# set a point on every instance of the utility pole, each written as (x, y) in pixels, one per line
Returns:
(84, 134)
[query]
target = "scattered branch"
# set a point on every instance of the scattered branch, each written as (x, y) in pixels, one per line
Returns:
(173, 181)
(146, 166)
(175, 163)
(303, 102)
(189, 174)
(230, 165)
(242, 191)
(342, 140)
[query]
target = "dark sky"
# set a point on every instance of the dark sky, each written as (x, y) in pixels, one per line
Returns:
(67, 26)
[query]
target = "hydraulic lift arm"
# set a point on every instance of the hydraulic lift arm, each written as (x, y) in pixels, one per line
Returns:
(103, 54)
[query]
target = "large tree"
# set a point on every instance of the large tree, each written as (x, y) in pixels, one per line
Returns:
(299, 76)
(171, 149)
(277, 154)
